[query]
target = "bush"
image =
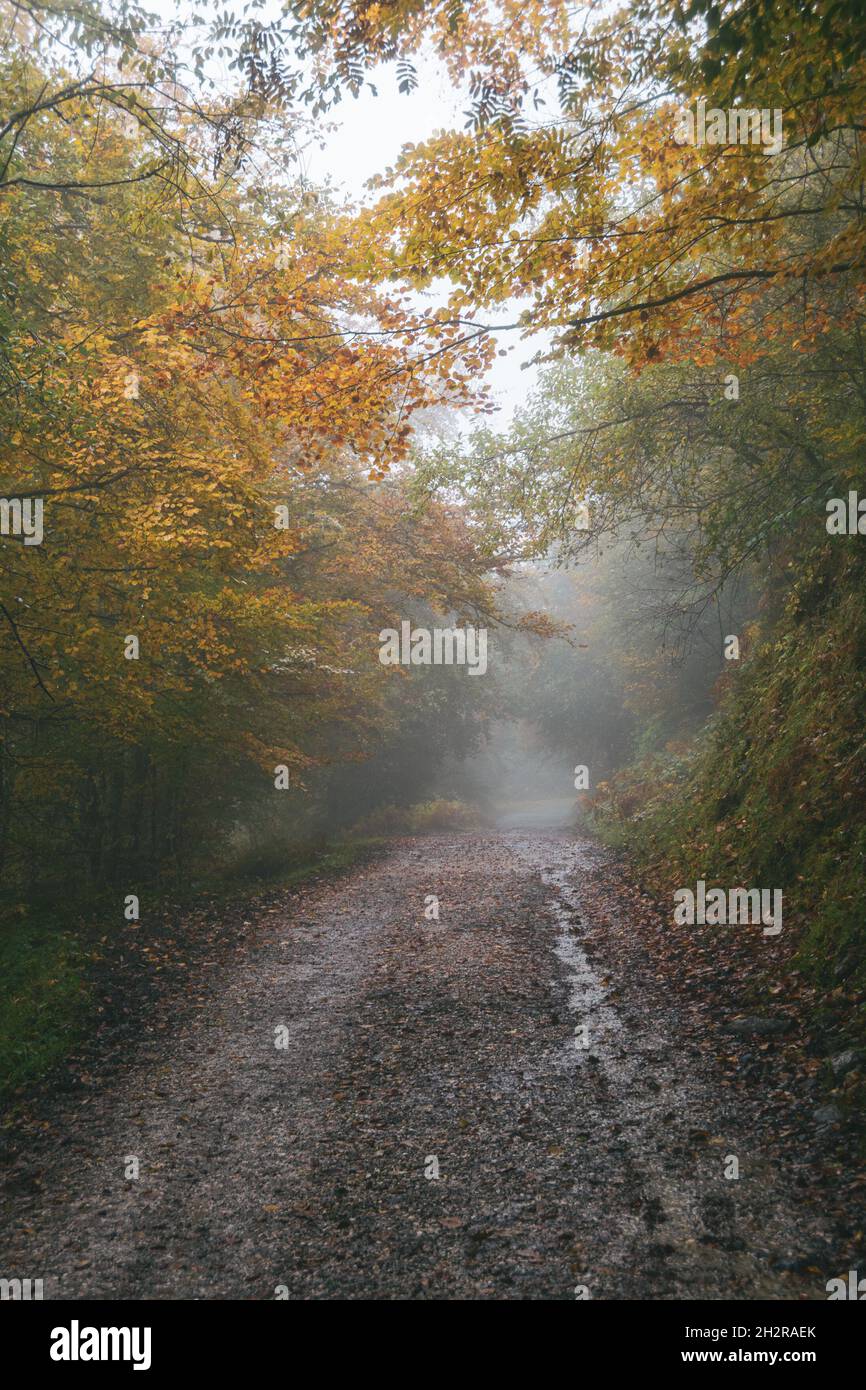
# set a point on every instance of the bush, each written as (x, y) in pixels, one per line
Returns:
(421, 819)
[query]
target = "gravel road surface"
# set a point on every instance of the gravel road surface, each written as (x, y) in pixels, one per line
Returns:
(517, 1046)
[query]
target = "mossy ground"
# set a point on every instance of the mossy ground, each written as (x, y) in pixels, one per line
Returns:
(772, 792)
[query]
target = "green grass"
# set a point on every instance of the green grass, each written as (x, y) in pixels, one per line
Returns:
(45, 999)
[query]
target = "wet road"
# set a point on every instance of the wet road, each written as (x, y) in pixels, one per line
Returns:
(379, 1102)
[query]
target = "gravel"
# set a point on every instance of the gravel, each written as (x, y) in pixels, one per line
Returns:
(581, 1139)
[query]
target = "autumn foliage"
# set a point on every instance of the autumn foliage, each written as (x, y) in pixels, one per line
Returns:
(209, 410)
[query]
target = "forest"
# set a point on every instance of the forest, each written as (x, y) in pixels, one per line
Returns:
(264, 509)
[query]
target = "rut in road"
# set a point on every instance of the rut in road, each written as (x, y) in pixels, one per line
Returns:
(562, 1168)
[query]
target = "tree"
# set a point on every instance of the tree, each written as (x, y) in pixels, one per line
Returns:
(206, 411)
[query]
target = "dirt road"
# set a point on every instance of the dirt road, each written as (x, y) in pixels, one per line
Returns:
(570, 1163)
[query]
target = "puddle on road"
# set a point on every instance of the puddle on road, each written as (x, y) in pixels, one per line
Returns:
(587, 994)
(635, 1059)
(653, 1095)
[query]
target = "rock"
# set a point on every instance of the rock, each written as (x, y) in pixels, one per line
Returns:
(845, 1061)
(828, 1114)
(795, 1264)
(763, 1027)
